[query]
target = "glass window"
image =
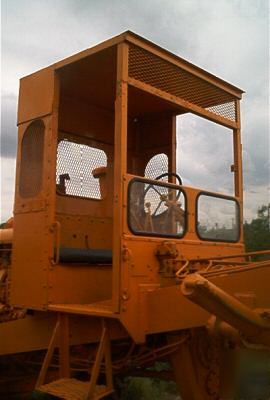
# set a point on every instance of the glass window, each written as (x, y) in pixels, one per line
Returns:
(156, 209)
(31, 169)
(218, 218)
(75, 165)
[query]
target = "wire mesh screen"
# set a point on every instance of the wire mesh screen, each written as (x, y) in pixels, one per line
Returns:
(153, 70)
(75, 164)
(31, 169)
(157, 166)
(226, 110)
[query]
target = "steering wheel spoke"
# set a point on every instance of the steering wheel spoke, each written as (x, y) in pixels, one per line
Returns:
(163, 198)
(157, 208)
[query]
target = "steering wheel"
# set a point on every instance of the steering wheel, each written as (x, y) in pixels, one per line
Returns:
(163, 197)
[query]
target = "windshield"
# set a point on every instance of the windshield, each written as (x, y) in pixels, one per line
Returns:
(156, 209)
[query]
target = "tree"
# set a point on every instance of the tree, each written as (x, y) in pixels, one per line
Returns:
(257, 232)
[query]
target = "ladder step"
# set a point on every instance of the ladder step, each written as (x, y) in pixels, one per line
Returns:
(73, 389)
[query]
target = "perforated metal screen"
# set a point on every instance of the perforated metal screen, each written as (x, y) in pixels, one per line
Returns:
(75, 163)
(156, 166)
(153, 70)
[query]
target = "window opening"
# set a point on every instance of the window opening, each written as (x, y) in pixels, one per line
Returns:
(31, 170)
(205, 154)
(76, 163)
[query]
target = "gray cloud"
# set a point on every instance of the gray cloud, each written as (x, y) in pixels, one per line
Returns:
(205, 154)
(8, 125)
(227, 37)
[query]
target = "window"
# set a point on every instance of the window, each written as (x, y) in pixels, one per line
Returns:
(156, 209)
(217, 218)
(31, 169)
(75, 165)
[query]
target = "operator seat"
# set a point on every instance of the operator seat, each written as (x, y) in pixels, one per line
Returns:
(101, 173)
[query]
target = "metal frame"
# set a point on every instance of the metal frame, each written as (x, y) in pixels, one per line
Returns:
(217, 196)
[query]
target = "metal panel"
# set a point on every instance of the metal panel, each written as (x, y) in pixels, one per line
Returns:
(36, 95)
(33, 233)
(29, 261)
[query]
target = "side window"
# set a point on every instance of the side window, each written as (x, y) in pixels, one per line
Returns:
(31, 169)
(75, 165)
(156, 166)
(217, 218)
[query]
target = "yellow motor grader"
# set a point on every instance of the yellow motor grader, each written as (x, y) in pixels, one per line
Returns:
(109, 264)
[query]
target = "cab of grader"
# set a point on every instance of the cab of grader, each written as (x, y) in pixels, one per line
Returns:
(107, 243)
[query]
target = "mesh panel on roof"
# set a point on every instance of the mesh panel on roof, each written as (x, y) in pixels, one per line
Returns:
(153, 70)
(75, 163)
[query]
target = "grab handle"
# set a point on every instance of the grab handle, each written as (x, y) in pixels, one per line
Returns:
(55, 229)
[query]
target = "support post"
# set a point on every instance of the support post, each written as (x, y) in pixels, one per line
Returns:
(120, 163)
(104, 351)
(64, 369)
(48, 356)
(238, 172)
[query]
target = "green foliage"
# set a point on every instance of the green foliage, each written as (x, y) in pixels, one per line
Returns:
(257, 232)
(37, 395)
(149, 389)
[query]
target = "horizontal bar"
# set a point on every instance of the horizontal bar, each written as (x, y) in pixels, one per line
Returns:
(182, 103)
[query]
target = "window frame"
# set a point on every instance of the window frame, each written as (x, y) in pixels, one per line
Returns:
(160, 183)
(218, 196)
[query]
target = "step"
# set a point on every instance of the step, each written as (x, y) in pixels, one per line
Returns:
(73, 389)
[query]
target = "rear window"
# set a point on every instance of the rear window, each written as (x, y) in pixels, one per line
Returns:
(75, 164)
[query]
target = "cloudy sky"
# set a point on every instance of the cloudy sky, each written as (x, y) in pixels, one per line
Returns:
(229, 38)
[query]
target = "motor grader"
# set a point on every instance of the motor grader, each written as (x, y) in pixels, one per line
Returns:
(108, 264)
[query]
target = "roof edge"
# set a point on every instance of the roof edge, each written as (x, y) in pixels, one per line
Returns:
(134, 38)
